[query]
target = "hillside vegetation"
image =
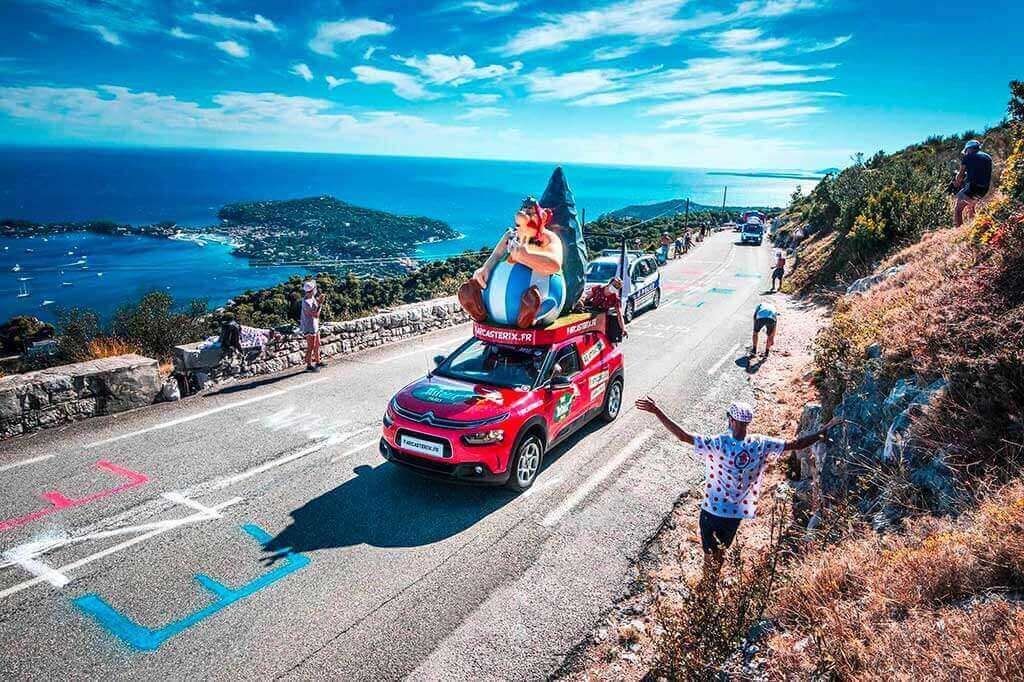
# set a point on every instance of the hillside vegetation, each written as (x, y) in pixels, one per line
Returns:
(877, 205)
(913, 567)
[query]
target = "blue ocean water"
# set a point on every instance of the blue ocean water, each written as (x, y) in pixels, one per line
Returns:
(140, 186)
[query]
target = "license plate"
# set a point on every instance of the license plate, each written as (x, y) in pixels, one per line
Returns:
(423, 447)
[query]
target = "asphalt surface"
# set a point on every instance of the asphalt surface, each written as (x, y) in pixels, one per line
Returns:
(257, 532)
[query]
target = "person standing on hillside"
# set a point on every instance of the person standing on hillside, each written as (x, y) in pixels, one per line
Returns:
(780, 269)
(973, 180)
(309, 323)
(734, 464)
(765, 317)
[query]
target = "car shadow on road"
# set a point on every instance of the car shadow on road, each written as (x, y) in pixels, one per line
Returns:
(249, 385)
(388, 506)
(385, 506)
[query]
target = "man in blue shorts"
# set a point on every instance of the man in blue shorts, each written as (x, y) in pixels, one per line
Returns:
(734, 464)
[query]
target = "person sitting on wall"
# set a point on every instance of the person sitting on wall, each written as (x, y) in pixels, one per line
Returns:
(521, 283)
(608, 299)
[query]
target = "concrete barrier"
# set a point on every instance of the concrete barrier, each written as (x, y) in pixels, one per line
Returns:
(336, 338)
(69, 393)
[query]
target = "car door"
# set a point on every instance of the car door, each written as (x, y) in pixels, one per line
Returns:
(568, 403)
(594, 369)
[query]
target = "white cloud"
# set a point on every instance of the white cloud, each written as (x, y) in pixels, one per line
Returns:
(369, 52)
(490, 8)
(477, 113)
(246, 120)
(608, 54)
(179, 32)
(828, 44)
(120, 17)
(302, 71)
(478, 99)
(107, 35)
(404, 85)
(259, 23)
(442, 69)
(605, 87)
(330, 33)
(233, 48)
(333, 82)
(732, 101)
(776, 115)
(656, 21)
(544, 85)
(746, 40)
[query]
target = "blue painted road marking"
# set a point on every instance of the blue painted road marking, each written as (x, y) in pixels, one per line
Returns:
(720, 290)
(147, 639)
(749, 275)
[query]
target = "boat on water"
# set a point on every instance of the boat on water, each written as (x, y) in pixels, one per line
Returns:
(67, 284)
(46, 302)
(30, 250)
(24, 292)
(99, 274)
(16, 268)
(24, 279)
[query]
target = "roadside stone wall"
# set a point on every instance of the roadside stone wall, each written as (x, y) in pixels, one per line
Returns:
(62, 395)
(336, 338)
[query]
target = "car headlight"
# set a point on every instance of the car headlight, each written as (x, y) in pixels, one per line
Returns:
(484, 437)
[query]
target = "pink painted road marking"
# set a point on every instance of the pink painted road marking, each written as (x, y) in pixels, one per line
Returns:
(59, 501)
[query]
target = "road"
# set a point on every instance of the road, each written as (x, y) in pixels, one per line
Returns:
(257, 532)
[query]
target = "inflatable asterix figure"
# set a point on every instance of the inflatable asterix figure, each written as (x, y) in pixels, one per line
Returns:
(521, 283)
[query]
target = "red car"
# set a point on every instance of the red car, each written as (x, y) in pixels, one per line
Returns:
(492, 408)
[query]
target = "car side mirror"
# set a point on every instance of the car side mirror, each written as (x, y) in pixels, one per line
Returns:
(560, 382)
(438, 359)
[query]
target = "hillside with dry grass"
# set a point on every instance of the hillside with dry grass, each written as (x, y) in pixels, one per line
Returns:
(894, 551)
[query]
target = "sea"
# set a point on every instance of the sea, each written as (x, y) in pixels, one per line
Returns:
(188, 186)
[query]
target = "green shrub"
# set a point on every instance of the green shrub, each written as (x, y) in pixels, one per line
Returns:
(154, 325)
(76, 328)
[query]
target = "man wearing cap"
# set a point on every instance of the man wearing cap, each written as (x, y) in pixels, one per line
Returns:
(734, 464)
(309, 323)
(973, 179)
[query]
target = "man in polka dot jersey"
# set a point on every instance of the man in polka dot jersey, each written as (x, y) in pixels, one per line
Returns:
(734, 464)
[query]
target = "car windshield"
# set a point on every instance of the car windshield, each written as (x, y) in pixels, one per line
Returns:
(599, 273)
(490, 363)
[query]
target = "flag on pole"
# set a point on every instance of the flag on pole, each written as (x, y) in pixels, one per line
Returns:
(622, 272)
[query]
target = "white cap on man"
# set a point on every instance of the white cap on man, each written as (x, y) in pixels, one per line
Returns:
(971, 144)
(741, 412)
(309, 285)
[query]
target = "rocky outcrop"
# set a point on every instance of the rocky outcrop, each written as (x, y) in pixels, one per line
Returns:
(66, 394)
(337, 338)
(865, 283)
(877, 448)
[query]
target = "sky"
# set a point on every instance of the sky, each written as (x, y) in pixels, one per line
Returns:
(699, 83)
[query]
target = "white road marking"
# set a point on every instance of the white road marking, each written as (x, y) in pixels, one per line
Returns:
(158, 528)
(354, 450)
(178, 498)
(14, 465)
(556, 514)
(23, 558)
(551, 482)
(207, 413)
(728, 354)
(439, 346)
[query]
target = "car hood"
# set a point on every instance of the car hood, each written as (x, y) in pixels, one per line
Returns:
(458, 400)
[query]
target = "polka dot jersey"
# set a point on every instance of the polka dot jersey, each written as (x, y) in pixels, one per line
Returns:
(732, 472)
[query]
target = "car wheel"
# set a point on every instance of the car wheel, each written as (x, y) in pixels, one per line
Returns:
(656, 301)
(627, 314)
(526, 463)
(612, 401)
